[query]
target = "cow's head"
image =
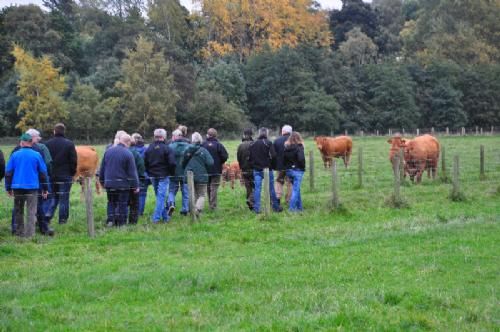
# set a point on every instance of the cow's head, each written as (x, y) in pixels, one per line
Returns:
(319, 141)
(397, 142)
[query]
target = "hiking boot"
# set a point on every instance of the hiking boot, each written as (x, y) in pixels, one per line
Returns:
(171, 210)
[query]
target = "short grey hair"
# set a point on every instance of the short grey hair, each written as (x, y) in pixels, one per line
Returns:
(160, 132)
(177, 133)
(287, 129)
(118, 135)
(125, 139)
(196, 138)
(33, 132)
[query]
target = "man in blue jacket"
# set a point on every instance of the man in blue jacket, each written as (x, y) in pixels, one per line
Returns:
(160, 164)
(219, 155)
(118, 174)
(25, 174)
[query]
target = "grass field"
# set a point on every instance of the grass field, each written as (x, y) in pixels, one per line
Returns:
(434, 265)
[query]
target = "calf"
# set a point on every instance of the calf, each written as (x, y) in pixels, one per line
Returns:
(230, 173)
(334, 147)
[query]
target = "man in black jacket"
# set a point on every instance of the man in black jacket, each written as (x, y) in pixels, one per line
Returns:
(64, 161)
(219, 155)
(281, 178)
(160, 163)
(262, 155)
(243, 154)
(118, 174)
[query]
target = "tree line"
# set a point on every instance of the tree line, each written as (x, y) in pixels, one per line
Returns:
(101, 65)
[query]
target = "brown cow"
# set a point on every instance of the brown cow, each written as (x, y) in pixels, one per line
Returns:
(420, 153)
(87, 164)
(231, 172)
(334, 147)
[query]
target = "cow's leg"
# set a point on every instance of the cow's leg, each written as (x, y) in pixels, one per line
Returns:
(324, 160)
(420, 171)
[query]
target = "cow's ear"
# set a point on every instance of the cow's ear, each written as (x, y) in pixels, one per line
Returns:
(389, 141)
(403, 141)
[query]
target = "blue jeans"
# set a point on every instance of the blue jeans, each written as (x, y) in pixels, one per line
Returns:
(144, 184)
(295, 177)
(174, 187)
(59, 195)
(160, 185)
(118, 201)
(258, 177)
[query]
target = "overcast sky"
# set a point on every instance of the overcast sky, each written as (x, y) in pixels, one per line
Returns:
(327, 4)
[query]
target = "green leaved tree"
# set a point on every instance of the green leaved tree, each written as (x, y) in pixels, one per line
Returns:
(149, 95)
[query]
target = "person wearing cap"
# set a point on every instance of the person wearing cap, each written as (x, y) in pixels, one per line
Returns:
(197, 160)
(24, 175)
(178, 146)
(160, 165)
(281, 178)
(219, 155)
(242, 155)
(64, 161)
(118, 174)
(144, 181)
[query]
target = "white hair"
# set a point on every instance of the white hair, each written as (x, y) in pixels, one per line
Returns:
(287, 129)
(119, 134)
(160, 132)
(177, 133)
(33, 132)
(125, 139)
(196, 138)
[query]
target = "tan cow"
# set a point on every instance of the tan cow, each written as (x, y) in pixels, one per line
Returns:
(334, 147)
(87, 164)
(230, 173)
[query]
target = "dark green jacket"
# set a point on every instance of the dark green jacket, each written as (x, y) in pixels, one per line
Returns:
(198, 160)
(179, 147)
(139, 162)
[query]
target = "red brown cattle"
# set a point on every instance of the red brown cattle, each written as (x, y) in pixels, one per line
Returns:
(87, 164)
(230, 173)
(334, 147)
(420, 153)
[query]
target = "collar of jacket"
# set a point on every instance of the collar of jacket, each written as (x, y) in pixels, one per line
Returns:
(59, 135)
(247, 139)
(212, 139)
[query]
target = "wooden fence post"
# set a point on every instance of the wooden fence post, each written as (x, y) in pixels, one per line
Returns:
(89, 205)
(463, 131)
(335, 185)
(447, 131)
(397, 180)
(266, 204)
(403, 131)
(192, 207)
(477, 130)
(491, 130)
(482, 176)
(377, 132)
(444, 176)
(432, 131)
(418, 132)
(345, 132)
(481, 131)
(331, 133)
(360, 167)
(362, 133)
(311, 170)
(456, 194)
(401, 165)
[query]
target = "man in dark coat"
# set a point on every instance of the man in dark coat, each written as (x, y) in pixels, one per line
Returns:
(262, 155)
(160, 164)
(134, 195)
(118, 174)
(219, 155)
(64, 161)
(243, 155)
(281, 178)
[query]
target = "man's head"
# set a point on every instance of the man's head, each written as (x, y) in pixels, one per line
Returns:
(263, 132)
(119, 134)
(176, 134)
(247, 133)
(125, 139)
(35, 135)
(196, 138)
(286, 130)
(59, 129)
(160, 134)
(137, 138)
(211, 133)
(183, 129)
(26, 140)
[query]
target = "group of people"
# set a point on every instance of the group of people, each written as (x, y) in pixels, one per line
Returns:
(40, 175)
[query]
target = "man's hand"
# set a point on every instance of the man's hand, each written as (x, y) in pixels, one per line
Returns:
(45, 194)
(136, 190)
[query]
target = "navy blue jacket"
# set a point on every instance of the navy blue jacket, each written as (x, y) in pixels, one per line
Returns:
(118, 169)
(64, 157)
(218, 153)
(159, 160)
(279, 147)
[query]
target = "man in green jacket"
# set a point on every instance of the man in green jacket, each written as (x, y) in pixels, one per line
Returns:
(198, 160)
(133, 198)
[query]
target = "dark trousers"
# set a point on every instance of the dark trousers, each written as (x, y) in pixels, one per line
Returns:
(213, 186)
(247, 178)
(133, 204)
(118, 200)
(59, 196)
(143, 194)
(30, 198)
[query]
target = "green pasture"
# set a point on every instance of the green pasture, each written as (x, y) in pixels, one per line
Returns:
(434, 265)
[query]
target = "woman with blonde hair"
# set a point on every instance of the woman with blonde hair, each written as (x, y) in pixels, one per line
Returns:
(295, 165)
